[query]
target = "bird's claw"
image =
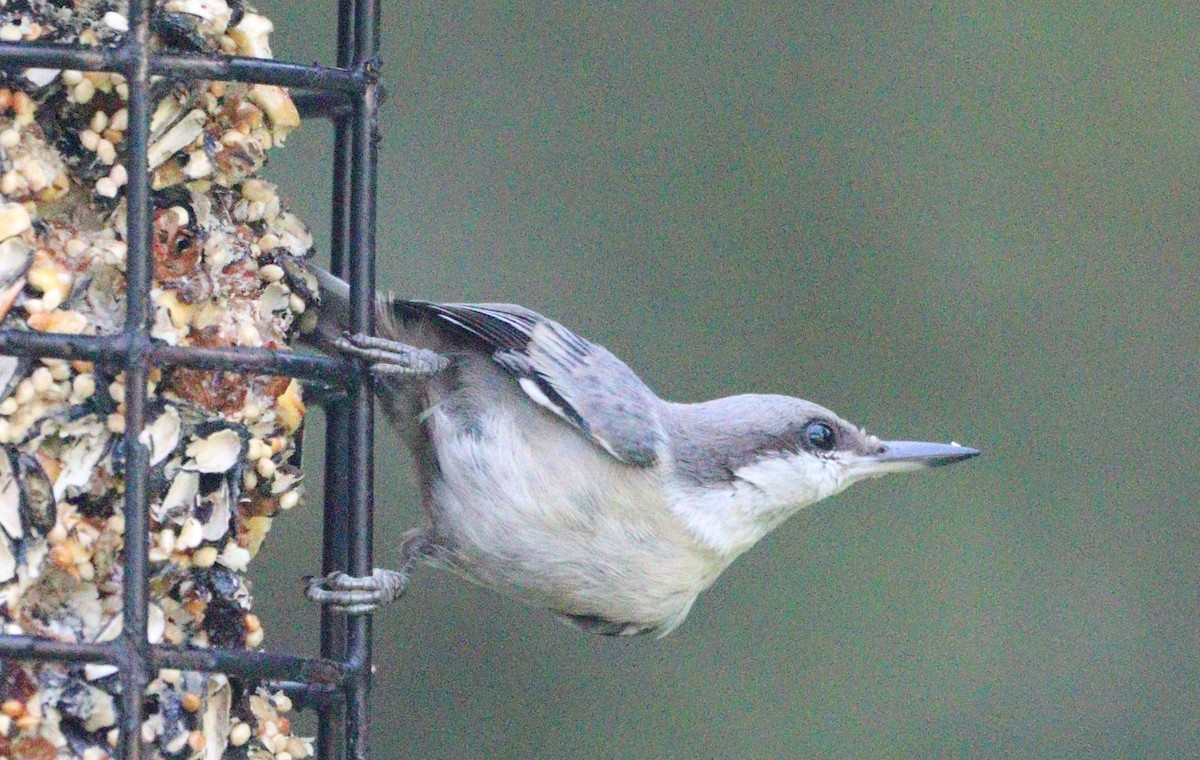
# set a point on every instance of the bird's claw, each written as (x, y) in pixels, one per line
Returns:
(391, 357)
(352, 595)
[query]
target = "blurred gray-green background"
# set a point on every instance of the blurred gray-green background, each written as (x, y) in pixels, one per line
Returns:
(974, 221)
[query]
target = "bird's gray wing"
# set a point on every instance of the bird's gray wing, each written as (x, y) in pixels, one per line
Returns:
(581, 382)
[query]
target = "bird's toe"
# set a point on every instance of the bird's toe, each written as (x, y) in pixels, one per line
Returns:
(355, 595)
(391, 357)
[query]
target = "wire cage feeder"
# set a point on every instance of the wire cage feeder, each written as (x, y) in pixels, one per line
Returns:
(337, 684)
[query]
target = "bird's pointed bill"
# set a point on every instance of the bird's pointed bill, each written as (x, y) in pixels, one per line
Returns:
(923, 453)
(906, 456)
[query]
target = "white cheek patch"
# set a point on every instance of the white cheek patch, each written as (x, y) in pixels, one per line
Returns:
(762, 496)
(792, 483)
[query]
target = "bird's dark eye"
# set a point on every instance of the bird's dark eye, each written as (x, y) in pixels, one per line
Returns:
(819, 436)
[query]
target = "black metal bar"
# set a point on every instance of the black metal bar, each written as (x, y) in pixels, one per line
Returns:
(363, 175)
(319, 673)
(61, 345)
(330, 732)
(327, 369)
(52, 55)
(259, 71)
(307, 696)
(33, 648)
(256, 361)
(334, 552)
(320, 105)
(134, 672)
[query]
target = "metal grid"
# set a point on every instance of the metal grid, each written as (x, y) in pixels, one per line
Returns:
(338, 685)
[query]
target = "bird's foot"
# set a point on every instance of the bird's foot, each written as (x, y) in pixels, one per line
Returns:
(391, 357)
(354, 596)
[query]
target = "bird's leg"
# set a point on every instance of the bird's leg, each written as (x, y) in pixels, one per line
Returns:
(350, 595)
(391, 357)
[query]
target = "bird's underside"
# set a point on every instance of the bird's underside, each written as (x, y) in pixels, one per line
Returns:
(473, 386)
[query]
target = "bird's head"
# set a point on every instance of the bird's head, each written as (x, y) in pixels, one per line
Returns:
(755, 460)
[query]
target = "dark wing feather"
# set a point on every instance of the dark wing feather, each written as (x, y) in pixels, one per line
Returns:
(501, 327)
(581, 382)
